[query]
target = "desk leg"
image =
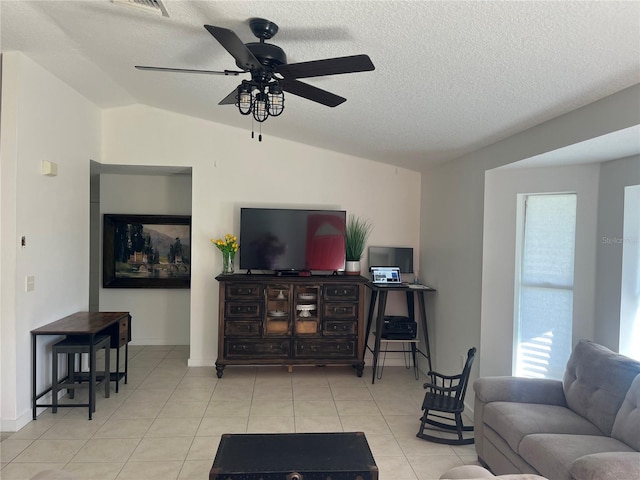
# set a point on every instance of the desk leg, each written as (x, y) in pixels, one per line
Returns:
(126, 362)
(423, 318)
(372, 306)
(33, 375)
(117, 368)
(382, 305)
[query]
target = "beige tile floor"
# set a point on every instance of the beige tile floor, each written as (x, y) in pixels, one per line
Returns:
(167, 421)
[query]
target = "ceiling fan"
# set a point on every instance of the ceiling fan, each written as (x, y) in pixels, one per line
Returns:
(271, 75)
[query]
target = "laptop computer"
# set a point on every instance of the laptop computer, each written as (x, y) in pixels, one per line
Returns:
(386, 276)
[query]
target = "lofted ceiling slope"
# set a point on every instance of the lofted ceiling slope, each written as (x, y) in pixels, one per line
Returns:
(450, 77)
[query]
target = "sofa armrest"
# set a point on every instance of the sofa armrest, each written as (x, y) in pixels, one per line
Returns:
(607, 466)
(521, 390)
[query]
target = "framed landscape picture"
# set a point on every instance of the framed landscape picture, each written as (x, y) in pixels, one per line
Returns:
(146, 251)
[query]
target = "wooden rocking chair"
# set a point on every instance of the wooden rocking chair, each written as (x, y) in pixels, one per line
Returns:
(445, 394)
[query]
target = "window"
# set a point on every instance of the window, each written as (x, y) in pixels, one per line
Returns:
(630, 291)
(543, 314)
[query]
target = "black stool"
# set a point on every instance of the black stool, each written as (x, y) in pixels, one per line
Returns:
(78, 344)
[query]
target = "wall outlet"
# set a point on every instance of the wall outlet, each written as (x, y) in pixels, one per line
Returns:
(463, 359)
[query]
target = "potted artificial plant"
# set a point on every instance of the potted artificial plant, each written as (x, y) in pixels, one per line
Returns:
(356, 235)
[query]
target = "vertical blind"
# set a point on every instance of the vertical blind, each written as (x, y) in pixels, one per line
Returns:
(544, 286)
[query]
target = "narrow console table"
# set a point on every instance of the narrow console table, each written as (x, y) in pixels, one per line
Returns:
(115, 324)
(379, 295)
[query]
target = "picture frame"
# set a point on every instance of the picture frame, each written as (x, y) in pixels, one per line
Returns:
(146, 251)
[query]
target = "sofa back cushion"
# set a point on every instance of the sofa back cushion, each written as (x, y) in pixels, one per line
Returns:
(627, 425)
(596, 381)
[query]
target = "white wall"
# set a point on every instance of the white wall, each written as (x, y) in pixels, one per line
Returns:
(452, 216)
(230, 171)
(502, 186)
(614, 176)
(42, 119)
(158, 316)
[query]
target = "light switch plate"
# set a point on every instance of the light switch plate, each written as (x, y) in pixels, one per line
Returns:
(29, 283)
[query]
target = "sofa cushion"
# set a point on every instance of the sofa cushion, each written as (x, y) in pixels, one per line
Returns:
(607, 465)
(475, 472)
(513, 421)
(553, 455)
(627, 425)
(596, 381)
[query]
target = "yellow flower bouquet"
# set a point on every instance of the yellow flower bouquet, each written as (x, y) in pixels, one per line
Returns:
(228, 246)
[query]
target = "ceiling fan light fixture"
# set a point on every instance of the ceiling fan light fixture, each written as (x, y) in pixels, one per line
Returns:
(261, 107)
(244, 99)
(276, 100)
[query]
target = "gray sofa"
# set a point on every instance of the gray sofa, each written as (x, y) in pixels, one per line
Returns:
(586, 427)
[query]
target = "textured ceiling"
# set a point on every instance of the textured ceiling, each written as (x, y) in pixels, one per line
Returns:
(450, 77)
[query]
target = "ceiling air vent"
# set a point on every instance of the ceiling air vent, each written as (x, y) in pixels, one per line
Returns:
(150, 6)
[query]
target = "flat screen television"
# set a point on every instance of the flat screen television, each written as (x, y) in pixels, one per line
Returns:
(392, 257)
(282, 240)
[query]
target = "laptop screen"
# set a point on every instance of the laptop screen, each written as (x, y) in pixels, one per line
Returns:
(385, 275)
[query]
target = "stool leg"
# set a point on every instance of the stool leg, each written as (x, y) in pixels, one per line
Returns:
(107, 368)
(71, 370)
(54, 380)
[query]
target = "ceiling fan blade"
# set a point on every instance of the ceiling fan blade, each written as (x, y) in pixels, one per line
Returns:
(312, 93)
(232, 44)
(229, 99)
(328, 66)
(187, 70)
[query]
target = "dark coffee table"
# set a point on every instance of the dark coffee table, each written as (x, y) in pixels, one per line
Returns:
(294, 456)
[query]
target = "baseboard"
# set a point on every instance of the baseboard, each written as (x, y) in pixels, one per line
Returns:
(26, 417)
(201, 362)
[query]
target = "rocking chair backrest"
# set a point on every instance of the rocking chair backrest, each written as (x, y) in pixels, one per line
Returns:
(464, 378)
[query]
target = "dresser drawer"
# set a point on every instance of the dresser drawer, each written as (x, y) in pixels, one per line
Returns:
(124, 333)
(258, 348)
(341, 292)
(340, 311)
(242, 328)
(339, 327)
(244, 291)
(338, 348)
(242, 310)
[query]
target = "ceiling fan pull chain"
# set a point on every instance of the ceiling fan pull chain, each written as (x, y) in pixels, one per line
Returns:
(260, 135)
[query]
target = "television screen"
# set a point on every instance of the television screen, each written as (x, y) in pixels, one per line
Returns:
(392, 257)
(288, 239)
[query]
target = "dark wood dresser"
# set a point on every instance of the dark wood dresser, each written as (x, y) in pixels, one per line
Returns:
(281, 320)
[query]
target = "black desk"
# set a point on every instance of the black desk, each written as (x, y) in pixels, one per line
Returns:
(115, 324)
(379, 294)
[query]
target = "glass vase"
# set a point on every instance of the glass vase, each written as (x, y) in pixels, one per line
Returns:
(227, 262)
